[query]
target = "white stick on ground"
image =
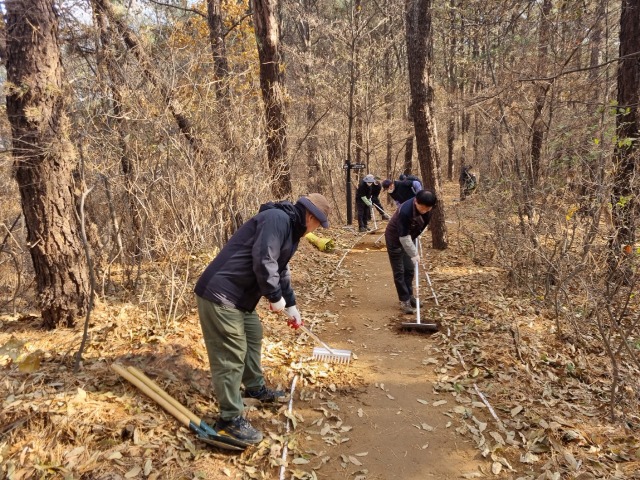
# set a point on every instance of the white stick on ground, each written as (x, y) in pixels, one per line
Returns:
(285, 450)
(488, 405)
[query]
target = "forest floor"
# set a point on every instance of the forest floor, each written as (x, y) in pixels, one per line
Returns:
(493, 394)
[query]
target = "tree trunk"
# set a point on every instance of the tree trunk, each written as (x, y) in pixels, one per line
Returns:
(44, 160)
(408, 142)
(626, 152)
(109, 69)
(538, 127)
(231, 217)
(267, 29)
(419, 55)
(221, 69)
(388, 96)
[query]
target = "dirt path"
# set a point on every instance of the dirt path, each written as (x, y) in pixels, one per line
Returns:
(398, 426)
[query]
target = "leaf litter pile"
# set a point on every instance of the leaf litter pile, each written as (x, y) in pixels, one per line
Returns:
(534, 406)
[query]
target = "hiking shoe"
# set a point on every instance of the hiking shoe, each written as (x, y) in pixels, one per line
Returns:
(413, 302)
(406, 306)
(264, 394)
(240, 429)
(362, 229)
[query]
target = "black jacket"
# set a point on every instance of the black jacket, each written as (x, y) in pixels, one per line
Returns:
(402, 191)
(254, 263)
(376, 188)
(363, 190)
(405, 221)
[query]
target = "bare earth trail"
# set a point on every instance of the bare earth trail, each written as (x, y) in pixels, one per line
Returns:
(394, 429)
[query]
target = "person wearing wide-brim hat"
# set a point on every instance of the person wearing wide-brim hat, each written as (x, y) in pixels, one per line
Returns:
(253, 264)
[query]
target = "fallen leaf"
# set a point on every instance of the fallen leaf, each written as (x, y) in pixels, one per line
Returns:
(134, 472)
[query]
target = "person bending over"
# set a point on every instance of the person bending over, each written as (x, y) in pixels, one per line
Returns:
(253, 264)
(406, 224)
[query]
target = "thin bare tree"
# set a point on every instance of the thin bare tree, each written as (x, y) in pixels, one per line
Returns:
(266, 20)
(419, 55)
(626, 152)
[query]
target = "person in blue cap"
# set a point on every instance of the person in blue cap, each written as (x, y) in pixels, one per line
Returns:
(405, 226)
(253, 264)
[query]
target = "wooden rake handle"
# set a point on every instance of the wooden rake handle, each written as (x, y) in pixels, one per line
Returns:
(158, 389)
(179, 414)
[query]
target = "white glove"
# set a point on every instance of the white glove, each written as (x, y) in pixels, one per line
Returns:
(415, 259)
(294, 321)
(366, 201)
(278, 306)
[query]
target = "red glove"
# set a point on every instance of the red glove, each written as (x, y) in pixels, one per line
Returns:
(294, 321)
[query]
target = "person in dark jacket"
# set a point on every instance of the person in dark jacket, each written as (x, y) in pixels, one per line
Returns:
(363, 201)
(376, 189)
(400, 190)
(467, 180)
(253, 264)
(406, 224)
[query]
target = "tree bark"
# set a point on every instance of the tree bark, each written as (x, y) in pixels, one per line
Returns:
(221, 70)
(627, 152)
(538, 127)
(419, 55)
(44, 160)
(315, 179)
(267, 30)
(408, 141)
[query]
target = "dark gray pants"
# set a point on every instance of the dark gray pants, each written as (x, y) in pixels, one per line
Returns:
(234, 340)
(403, 271)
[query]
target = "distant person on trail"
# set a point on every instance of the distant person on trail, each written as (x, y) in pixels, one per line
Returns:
(364, 192)
(467, 180)
(399, 190)
(376, 188)
(253, 264)
(406, 224)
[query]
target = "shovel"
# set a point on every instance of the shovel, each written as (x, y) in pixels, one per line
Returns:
(187, 418)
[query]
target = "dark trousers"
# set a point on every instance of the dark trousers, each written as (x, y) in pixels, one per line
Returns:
(403, 271)
(364, 213)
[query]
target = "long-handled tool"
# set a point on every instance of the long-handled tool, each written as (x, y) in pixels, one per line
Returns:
(418, 326)
(433, 292)
(426, 272)
(326, 353)
(382, 212)
(373, 215)
(189, 419)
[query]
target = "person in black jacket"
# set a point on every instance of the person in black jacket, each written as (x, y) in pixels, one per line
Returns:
(253, 264)
(376, 189)
(363, 201)
(400, 190)
(406, 224)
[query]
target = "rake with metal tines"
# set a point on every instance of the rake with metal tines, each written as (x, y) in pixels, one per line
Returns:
(326, 353)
